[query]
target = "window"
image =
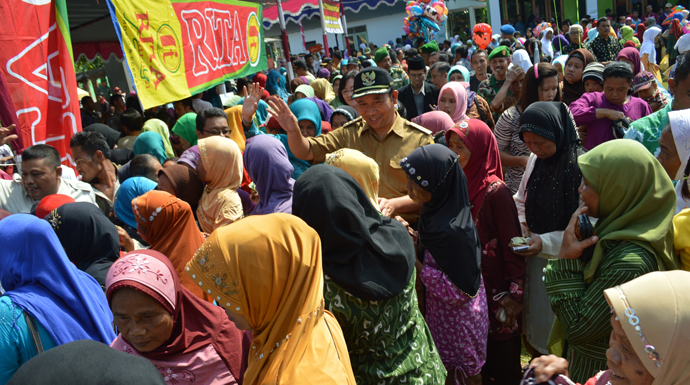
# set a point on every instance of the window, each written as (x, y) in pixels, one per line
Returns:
(357, 36)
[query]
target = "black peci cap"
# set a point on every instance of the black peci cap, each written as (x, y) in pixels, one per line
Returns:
(373, 80)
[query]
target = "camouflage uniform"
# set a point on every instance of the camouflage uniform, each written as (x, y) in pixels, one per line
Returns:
(400, 78)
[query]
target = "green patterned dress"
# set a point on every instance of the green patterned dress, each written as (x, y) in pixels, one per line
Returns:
(388, 340)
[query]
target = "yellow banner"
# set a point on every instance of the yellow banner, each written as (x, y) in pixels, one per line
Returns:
(151, 41)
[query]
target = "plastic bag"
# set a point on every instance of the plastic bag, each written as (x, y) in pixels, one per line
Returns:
(663, 66)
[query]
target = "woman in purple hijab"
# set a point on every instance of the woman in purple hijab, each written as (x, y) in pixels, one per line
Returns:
(267, 164)
(631, 56)
(324, 108)
(558, 42)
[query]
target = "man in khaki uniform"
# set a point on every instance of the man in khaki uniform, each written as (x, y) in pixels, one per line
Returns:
(380, 133)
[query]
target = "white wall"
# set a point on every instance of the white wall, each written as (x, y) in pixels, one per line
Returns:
(382, 29)
(379, 30)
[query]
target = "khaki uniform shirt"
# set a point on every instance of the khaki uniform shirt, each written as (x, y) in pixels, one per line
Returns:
(402, 138)
(15, 199)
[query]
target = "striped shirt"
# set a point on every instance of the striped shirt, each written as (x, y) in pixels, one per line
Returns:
(582, 308)
(507, 132)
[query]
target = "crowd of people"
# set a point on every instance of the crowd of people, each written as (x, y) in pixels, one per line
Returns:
(400, 215)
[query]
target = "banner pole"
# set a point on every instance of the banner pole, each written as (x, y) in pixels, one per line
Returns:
(323, 29)
(286, 44)
(342, 17)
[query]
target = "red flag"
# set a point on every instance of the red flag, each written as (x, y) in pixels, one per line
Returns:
(36, 60)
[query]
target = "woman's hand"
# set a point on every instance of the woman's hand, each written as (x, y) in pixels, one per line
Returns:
(410, 230)
(614, 115)
(572, 248)
(546, 367)
(387, 206)
(251, 102)
(512, 309)
(535, 247)
(126, 241)
(523, 162)
(254, 196)
(6, 136)
(285, 117)
(582, 133)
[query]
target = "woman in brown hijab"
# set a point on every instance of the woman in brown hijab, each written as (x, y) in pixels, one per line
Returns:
(573, 86)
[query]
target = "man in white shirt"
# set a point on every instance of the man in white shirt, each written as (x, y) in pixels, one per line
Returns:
(41, 176)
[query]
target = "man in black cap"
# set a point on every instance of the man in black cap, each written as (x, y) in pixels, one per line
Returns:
(353, 64)
(419, 96)
(302, 70)
(380, 133)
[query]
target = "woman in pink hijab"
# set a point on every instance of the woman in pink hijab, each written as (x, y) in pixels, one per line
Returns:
(453, 101)
(438, 122)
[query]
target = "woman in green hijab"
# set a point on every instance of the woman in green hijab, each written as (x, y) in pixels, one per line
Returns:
(628, 34)
(159, 127)
(186, 128)
(632, 197)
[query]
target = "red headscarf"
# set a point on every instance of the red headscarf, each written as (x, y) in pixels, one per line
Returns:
(50, 203)
(640, 32)
(675, 29)
(326, 127)
(261, 79)
(197, 323)
(484, 166)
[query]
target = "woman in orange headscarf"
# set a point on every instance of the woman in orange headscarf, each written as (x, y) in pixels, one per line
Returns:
(221, 167)
(277, 293)
(167, 224)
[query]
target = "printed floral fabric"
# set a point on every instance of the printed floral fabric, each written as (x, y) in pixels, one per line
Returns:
(459, 323)
(388, 340)
(604, 49)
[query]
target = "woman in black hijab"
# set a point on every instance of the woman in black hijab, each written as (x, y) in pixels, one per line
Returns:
(87, 362)
(368, 261)
(546, 199)
(456, 307)
(90, 240)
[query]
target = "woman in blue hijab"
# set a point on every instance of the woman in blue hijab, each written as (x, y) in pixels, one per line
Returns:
(131, 188)
(275, 85)
(45, 289)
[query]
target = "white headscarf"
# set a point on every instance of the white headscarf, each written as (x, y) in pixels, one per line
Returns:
(683, 44)
(546, 46)
(680, 128)
(561, 60)
(648, 44)
(521, 58)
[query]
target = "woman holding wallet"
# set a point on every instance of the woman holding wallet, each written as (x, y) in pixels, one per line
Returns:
(545, 200)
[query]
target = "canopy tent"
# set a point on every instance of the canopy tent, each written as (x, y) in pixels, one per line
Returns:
(297, 10)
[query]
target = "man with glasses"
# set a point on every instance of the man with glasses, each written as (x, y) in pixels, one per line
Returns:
(380, 133)
(419, 96)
